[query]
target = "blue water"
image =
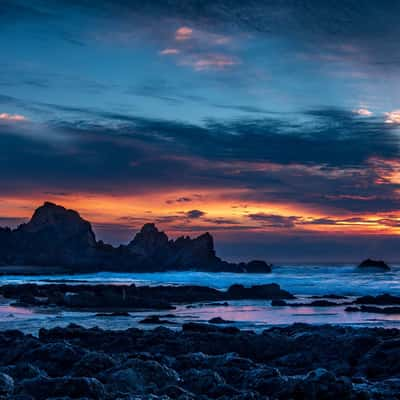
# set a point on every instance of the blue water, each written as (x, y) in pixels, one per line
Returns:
(299, 280)
(303, 281)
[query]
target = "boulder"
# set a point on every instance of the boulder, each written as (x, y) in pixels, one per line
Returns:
(44, 388)
(373, 265)
(140, 376)
(256, 267)
(92, 363)
(201, 381)
(270, 291)
(6, 385)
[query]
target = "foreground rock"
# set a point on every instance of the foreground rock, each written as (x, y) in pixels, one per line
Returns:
(116, 299)
(373, 265)
(61, 238)
(202, 362)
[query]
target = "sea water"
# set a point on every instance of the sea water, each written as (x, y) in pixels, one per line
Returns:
(303, 281)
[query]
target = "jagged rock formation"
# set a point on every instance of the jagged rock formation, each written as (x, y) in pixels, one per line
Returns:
(59, 237)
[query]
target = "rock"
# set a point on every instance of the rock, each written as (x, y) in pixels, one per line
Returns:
(56, 237)
(270, 291)
(155, 319)
(380, 300)
(279, 303)
(140, 376)
(22, 370)
(6, 385)
(114, 314)
(323, 385)
(44, 388)
(219, 320)
(382, 361)
(92, 363)
(375, 310)
(256, 266)
(369, 264)
(55, 358)
(201, 381)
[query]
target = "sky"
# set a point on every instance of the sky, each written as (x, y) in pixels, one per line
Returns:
(274, 125)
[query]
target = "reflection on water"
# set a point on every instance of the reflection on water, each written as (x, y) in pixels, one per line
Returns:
(303, 281)
(255, 315)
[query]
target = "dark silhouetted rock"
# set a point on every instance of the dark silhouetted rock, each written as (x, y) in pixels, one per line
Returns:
(374, 309)
(156, 320)
(43, 388)
(270, 291)
(256, 266)
(380, 300)
(369, 264)
(219, 320)
(57, 237)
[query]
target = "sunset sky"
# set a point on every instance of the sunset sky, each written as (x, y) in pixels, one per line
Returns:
(274, 125)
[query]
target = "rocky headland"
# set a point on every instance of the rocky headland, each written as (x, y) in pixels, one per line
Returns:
(203, 362)
(63, 241)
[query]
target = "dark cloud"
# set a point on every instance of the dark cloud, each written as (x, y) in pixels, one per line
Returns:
(195, 214)
(274, 221)
(328, 160)
(352, 30)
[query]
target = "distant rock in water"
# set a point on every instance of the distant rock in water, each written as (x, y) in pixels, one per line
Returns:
(59, 237)
(369, 264)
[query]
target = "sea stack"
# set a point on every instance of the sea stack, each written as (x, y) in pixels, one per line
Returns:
(373, 265)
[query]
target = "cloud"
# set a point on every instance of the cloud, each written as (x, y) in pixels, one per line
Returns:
(205, 62)
(274, 221)
(183, 33)
(363, 112)
(265, 160)
(392, 117)
(169, 51)
(12, 117)
(195, 214)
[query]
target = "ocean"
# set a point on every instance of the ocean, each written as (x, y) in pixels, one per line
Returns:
(303, 281)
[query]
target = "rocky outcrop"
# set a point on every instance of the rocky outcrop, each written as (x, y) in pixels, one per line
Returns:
(123, 297)
(59, 237)
(201, 361)
(372, 265)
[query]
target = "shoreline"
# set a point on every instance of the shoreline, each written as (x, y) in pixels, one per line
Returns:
(202, 361)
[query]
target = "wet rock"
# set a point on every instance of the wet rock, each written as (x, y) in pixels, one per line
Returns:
(55, 358)
(43, 388)
(114, 314)
(92, 363)
(270, 291)
(219, 320)
(156, 320)
(382, 361)
(139, 376)
(375, 310)
(6, 384)
(372, 265)
(256, 266)
(380, 300)
(22, 371)
(323, 385)
(201, 381)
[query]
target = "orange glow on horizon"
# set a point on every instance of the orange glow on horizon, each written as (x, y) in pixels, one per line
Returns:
(221, 210)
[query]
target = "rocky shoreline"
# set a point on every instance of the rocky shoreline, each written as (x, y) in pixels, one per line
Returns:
(202, 362)
(131, 297)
